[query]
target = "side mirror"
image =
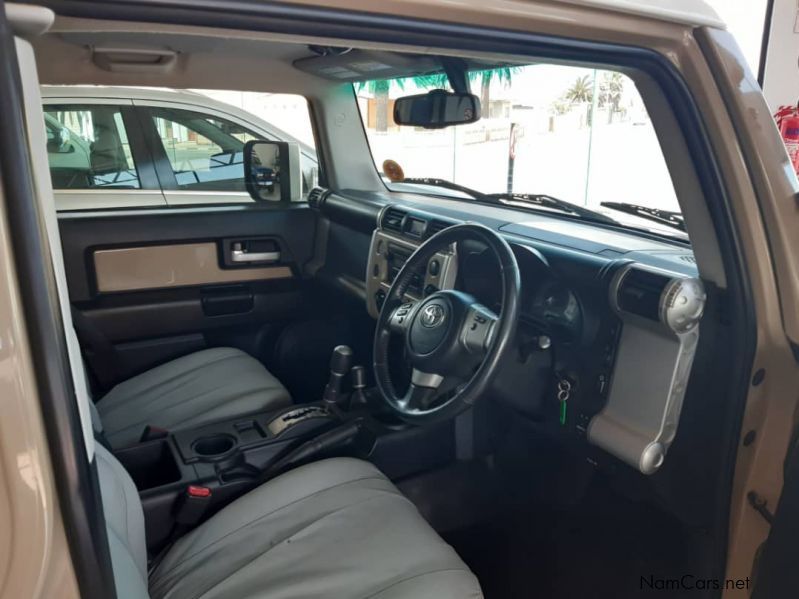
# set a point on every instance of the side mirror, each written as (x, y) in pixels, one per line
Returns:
(272, 171)
(61, 142)
(63, 138)
(437, 109)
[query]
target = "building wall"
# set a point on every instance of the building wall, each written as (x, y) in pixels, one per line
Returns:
(745, 20)
(781, 78)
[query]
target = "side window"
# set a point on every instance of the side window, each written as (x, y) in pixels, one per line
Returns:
(88, 148)
(204, 151)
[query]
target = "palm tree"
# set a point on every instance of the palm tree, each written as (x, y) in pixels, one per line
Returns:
(485, 77)
(435, 81)
(581, 90)
(611, 89)
(379, 88)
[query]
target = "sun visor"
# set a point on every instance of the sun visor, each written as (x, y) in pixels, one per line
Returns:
(361, 65)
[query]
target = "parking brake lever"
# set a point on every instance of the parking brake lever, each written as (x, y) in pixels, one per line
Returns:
(331, 440)
(328, 442)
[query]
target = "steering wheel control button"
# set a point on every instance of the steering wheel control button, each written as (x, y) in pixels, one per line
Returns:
(434, 267)
(477, 329)
(400, 317)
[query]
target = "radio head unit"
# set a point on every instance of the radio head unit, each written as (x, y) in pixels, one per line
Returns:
(398, 235)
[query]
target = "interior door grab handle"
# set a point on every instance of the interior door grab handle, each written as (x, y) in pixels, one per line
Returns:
(244, 256)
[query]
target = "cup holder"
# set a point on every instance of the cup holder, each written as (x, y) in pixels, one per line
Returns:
(215, 445)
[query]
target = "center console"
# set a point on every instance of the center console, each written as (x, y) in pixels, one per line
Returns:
(186, 476)
(214, 464)
(398, 235)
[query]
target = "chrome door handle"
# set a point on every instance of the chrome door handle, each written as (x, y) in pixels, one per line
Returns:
(242, 256)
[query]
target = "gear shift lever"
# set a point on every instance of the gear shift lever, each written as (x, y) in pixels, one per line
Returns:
(340, 363)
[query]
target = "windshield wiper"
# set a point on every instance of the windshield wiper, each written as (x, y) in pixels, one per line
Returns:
(443, 183)
(664, 217)
(546, 201)
(528, 199)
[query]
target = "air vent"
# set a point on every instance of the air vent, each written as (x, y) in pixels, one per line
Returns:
(392, 219)
(436, 226)
(640, 291)
(316, 196)
(688, 258)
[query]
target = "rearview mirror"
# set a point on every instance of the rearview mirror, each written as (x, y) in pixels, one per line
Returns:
(437, 109)
(272, 170)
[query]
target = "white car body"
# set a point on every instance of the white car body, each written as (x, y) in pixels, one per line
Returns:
(98, 199)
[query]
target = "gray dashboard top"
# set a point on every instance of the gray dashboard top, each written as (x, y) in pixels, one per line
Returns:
(555, 231)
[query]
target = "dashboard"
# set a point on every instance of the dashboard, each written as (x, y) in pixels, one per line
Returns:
(397, 237)
(609, 323)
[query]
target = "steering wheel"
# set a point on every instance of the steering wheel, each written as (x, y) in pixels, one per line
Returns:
(454, 343)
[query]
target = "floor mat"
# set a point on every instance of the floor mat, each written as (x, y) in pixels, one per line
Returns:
(602, 548)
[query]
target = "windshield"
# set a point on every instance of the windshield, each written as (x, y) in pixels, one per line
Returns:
(580, 135)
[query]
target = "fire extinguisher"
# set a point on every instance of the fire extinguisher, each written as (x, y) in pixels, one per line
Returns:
(787, 118)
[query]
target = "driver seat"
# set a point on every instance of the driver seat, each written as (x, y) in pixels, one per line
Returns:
(336, 529)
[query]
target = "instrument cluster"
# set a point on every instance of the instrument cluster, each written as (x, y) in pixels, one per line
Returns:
(549, 305)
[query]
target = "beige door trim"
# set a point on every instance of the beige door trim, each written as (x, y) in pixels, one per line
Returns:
(167, 266)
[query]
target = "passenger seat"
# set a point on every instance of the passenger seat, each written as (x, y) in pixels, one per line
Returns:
(200, 388)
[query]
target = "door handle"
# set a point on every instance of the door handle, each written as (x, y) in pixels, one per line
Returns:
(239, 253)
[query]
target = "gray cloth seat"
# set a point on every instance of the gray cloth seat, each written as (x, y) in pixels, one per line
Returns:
(200, 388)
(336, 529)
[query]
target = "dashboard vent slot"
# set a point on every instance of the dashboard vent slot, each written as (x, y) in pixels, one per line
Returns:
(436, 226)
(316, 196)
(392, 219)
(640, 292)
(688, 258)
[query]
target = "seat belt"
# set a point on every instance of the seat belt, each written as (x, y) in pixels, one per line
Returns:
(100, 353)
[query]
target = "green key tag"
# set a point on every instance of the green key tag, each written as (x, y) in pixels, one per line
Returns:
(564, 391)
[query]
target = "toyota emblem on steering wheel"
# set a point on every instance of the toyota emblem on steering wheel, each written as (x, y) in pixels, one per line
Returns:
(432, 316)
